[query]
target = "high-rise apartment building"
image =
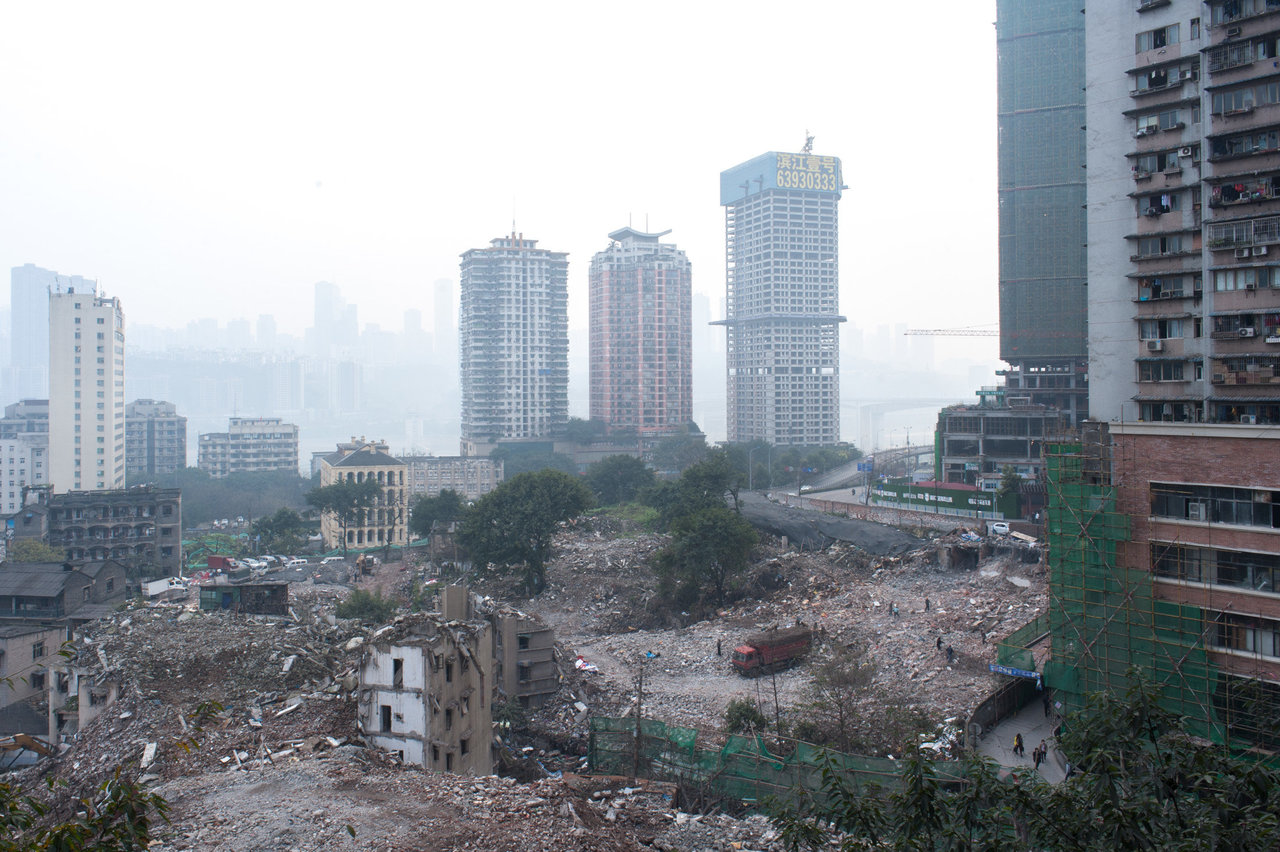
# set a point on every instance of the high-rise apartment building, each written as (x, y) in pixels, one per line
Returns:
(1162, 518)
(250, 445)
(1040, 99)
(86, 390)
(1184, 212)
(155, 436)
(513, 324)
(782, 289)
(640, 334)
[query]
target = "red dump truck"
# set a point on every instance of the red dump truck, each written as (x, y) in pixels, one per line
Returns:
(772, 650)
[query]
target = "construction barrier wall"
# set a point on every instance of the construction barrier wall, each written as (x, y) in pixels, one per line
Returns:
(742, 769)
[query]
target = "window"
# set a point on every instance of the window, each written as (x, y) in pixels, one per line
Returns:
(397, 673)
(522, 641)
(448, 672)
(448, 719)
(1157, 246)
(37, 650)
(448, 761)
(1159, 329)
(386, 717)
(435, 754)
(464, 746)
(1157, 38)
(1217, 504)
(1160, 371)
(36, 679)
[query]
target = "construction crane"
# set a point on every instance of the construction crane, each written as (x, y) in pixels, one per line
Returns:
(955, 332)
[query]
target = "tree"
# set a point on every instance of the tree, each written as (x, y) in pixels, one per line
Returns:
(1010, 482)
(117, 818)
(581, 431)
(367, 606)
(516, 462)
(513, 524)
(835, 696)
(34, 550)
(448, 505)
(679, 451)
(282, 532)
(708, 550)
(1146, 784)
(742, 715)
(618, 479)
(346, 500)
(206, 499)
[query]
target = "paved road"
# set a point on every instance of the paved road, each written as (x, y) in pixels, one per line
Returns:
(813, 530)
(1034, 726)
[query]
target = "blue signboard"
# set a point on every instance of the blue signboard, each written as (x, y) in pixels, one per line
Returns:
(1012, 672)
(775, 170)
(866, 466)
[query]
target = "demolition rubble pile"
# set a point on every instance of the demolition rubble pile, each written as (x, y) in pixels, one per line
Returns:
(307, 803)
(978, 590)
(250, 690)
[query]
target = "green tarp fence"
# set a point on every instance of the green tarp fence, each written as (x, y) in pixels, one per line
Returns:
(743, 768)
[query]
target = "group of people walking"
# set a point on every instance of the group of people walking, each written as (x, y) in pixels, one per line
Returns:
(1038, 754)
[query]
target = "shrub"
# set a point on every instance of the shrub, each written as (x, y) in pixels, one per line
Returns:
(743, 714)
(367, 606)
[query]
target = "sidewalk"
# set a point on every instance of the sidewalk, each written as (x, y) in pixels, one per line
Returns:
(1030, 721)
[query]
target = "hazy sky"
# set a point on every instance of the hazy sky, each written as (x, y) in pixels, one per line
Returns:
(219, 160)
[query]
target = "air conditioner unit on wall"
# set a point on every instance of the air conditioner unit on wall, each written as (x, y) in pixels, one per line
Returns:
(1155, 345)
(1232, 32)
(1243, 252)
(1259, 251)
(1187, 74)
(1248, 331)
(1185, 151)
(1249, 419)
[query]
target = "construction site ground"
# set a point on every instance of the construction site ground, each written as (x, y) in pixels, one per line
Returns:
(250, 720)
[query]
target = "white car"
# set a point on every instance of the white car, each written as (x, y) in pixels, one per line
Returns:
(329, 560)
(295, 563)
(999, 528)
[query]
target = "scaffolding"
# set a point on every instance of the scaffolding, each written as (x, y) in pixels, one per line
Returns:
(1107, 619)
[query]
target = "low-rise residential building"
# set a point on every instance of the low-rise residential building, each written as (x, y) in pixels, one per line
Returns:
(51, 591)
(250, 445)
(471, 476)
(977, 442)
(26, 651)
(524, 652)
(155, 439)
(139, 526)
(427, 687)
(384, 523)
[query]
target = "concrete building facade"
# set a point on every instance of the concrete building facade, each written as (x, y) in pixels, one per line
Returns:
(29, 286)
(139, 526)
(640, 336)
(385, 523)
(1184, 296)
(250, 445)
(427, 686)
(23, 462)
(86, 391)
(977, 442)
(471, 476)
(513, 326)
(782, 289)
(155, 437)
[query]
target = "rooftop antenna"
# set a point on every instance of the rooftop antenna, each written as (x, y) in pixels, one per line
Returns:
(808, 143)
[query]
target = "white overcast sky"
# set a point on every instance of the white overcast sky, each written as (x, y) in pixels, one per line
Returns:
(218, 159)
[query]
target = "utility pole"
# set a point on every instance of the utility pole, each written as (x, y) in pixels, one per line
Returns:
(635, 741)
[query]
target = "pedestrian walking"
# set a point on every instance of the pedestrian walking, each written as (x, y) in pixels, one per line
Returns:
(1017, 745)
(951, 655)
(926, 604)
(939, 643)
(717, 647)
(1037, 755)
(1042, 753)
(894, 609)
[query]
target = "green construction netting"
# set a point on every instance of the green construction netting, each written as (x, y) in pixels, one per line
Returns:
(743, 768)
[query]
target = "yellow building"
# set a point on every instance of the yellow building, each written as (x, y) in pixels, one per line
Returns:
(386, 521)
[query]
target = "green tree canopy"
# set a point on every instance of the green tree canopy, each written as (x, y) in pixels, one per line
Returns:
(709, 549)
(346, 500)
(618, 479)
(516, 462)
(281, 532)
(250, 495)
(679, 451)
(513, 524)
(583, 431)
(446, 506)
(34, 550)
(1144, 784)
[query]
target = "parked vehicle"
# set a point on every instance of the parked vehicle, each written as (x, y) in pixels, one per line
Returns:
(772, 650)
(295, 563)
(999, 528)
(329, 560)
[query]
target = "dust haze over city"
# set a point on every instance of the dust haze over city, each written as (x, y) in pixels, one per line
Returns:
(210, 166)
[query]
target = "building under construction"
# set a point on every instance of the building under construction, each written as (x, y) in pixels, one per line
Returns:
(1164, 557)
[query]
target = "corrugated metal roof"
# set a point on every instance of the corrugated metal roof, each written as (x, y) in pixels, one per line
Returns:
(33, 584)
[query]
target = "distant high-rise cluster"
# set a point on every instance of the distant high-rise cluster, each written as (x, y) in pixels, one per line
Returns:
(513, 324)
(782, 293)
(641, 335)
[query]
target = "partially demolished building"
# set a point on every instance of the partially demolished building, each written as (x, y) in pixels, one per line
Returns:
(427, 686)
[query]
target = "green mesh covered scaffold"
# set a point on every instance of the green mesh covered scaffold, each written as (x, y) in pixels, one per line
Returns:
(1104, 617)
(743, 769)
